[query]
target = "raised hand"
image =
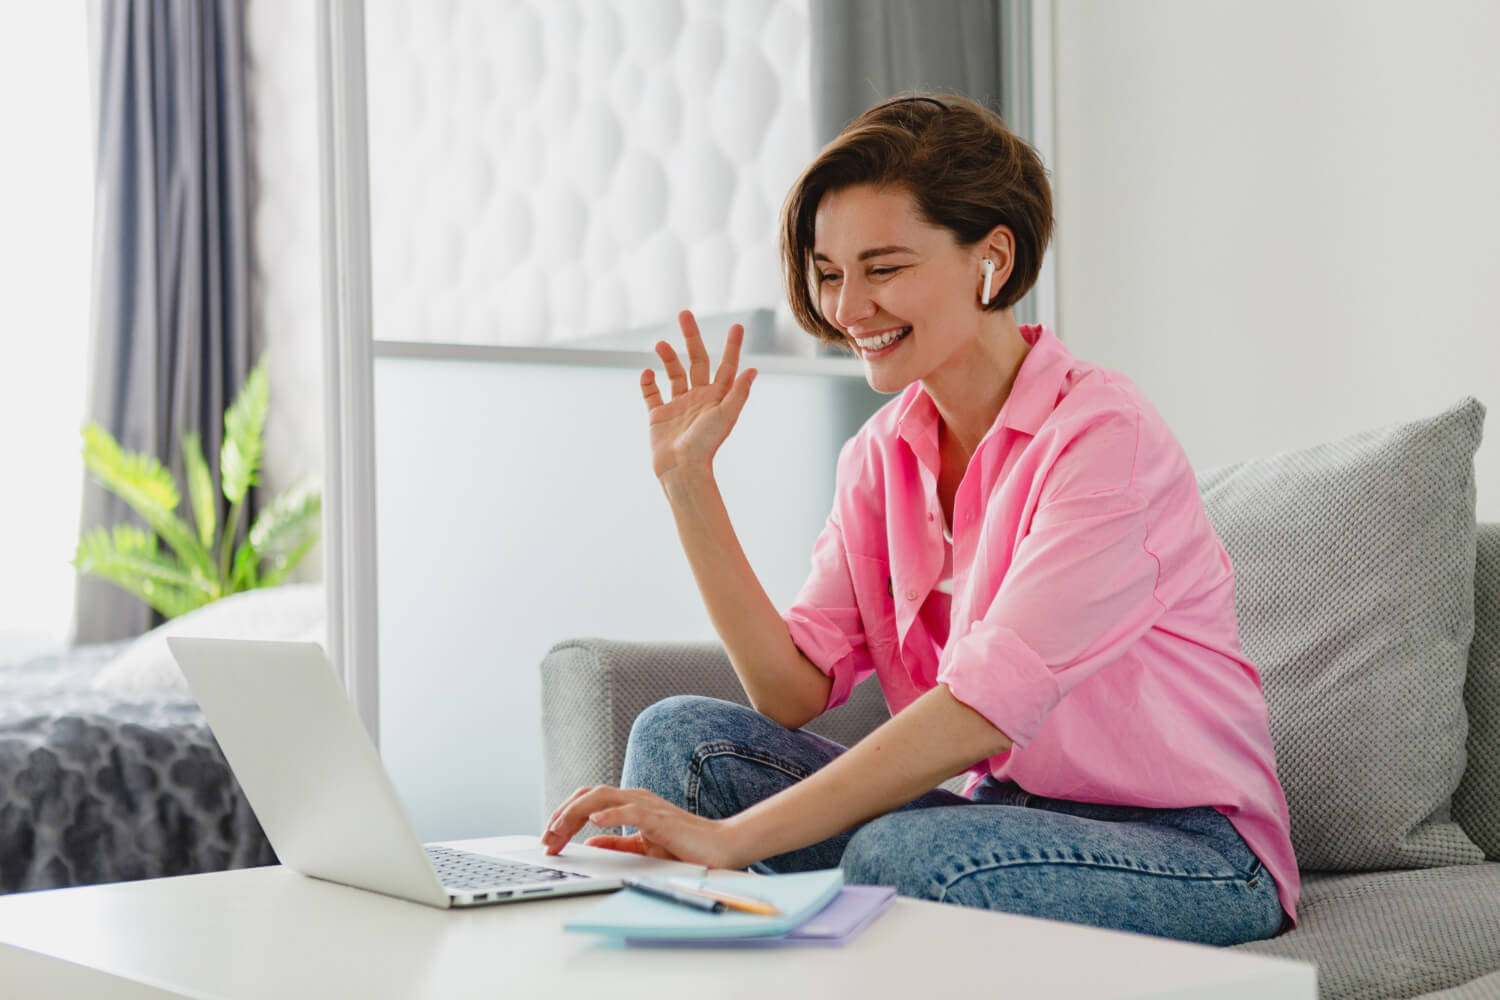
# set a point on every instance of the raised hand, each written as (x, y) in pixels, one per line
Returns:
(687, 430)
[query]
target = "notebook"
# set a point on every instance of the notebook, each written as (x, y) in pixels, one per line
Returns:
(636, 916)
(851, 911)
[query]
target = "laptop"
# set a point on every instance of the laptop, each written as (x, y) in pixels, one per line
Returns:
(316, 783)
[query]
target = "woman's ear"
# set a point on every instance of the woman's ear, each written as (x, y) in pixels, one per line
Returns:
(1000, 247)
(997, 258)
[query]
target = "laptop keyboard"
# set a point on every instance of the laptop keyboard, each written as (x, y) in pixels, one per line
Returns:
(466, 870)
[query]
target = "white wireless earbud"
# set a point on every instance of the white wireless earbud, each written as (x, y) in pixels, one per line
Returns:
(989, 277)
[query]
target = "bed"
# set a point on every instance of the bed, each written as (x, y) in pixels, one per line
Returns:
(104, 786)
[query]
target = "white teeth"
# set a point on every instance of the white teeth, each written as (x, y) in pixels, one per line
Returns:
(884, 340)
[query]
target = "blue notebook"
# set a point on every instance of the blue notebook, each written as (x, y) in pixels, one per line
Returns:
(852, 910)
(629, 914)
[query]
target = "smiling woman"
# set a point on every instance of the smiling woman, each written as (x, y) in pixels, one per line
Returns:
(1017, 548)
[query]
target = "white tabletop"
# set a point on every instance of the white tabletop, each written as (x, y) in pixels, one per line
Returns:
(269, 932)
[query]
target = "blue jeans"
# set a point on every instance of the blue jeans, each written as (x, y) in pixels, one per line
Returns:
(1176, 873)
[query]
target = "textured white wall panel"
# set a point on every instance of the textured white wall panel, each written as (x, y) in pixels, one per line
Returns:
(543, 170)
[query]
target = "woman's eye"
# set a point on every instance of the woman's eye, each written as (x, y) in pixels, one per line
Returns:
(824, 279)
(882, 271)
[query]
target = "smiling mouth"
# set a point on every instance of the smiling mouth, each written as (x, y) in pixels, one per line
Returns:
(881, 341)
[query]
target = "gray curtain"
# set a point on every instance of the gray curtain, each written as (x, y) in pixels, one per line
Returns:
(864, 51)
(171, 329)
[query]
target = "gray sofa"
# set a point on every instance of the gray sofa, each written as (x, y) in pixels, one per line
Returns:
(1370, 600)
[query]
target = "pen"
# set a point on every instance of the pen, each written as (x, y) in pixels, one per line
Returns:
(686, 897)
(747, 904)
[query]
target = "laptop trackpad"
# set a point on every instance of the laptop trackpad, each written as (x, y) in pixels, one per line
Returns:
(577, 858)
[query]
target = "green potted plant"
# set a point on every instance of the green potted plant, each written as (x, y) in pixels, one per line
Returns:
(200, 563)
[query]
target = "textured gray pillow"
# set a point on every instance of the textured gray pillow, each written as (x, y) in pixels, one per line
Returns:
(1354, 569)
(1476, 804)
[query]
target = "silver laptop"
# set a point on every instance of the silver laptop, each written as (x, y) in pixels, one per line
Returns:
(318, 788)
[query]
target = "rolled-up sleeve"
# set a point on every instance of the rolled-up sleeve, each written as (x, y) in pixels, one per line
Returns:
(1080, 590)
(824, 620)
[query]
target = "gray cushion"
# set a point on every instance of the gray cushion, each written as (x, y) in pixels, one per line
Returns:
(1483, 988)
(1354, 566)
(1476, 804)
(1395, 934)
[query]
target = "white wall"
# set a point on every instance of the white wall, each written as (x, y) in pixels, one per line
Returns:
(516, 509)
(1280, 217)
(286, 304)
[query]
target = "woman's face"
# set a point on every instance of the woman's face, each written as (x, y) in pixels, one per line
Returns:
(902, 290)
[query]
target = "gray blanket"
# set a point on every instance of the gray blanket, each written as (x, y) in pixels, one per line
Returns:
(99, 788)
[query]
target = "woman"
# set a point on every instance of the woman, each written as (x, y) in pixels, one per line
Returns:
(1017, 550)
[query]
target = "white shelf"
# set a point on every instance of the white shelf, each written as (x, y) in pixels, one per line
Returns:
(786, 364)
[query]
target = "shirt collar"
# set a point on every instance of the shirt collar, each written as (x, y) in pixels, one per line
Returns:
(1032, 397)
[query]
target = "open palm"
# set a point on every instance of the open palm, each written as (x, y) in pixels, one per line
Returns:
(688, 429)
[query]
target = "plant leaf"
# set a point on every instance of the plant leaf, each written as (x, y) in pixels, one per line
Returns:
(146, 485)
(141, 474)
(130, 560)
(283, 564)
(288, 522)
(239, 460)
(200, 488)
(246, 575)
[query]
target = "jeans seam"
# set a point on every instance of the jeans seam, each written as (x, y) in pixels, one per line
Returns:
(1111, 866)
(706, 751)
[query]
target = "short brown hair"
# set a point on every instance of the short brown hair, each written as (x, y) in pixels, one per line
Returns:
(965, 169)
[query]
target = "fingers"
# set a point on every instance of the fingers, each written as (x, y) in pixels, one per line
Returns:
(675, 374)
(697, 353)
(698, 362)
(615, 816)
(552, 821)
(640, 812)
(649, 390)
(634, 844)
(734, 400)
(570, 817)
(729, 363)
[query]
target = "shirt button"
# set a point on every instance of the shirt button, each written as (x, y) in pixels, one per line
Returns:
(911, 595)
(929, 515)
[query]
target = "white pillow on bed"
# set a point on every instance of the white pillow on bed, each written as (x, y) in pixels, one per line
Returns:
(291, 612)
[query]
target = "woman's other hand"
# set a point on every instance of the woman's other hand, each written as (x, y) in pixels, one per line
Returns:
(687, 430)
(663, 830)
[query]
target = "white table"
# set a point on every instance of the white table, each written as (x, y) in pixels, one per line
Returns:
(269, 932)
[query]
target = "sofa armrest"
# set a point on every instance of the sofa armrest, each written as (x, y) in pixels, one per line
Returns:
(592, 690)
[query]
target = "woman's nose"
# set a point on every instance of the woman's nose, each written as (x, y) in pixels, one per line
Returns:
(854, 303)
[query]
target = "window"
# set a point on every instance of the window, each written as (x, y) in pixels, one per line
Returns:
(46, 200)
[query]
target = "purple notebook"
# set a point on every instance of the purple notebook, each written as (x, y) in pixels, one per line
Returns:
(850, 912)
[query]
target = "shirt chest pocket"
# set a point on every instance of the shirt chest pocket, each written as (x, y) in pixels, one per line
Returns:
(873, 592)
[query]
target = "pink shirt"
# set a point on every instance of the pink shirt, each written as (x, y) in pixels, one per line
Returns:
(1092, 618)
